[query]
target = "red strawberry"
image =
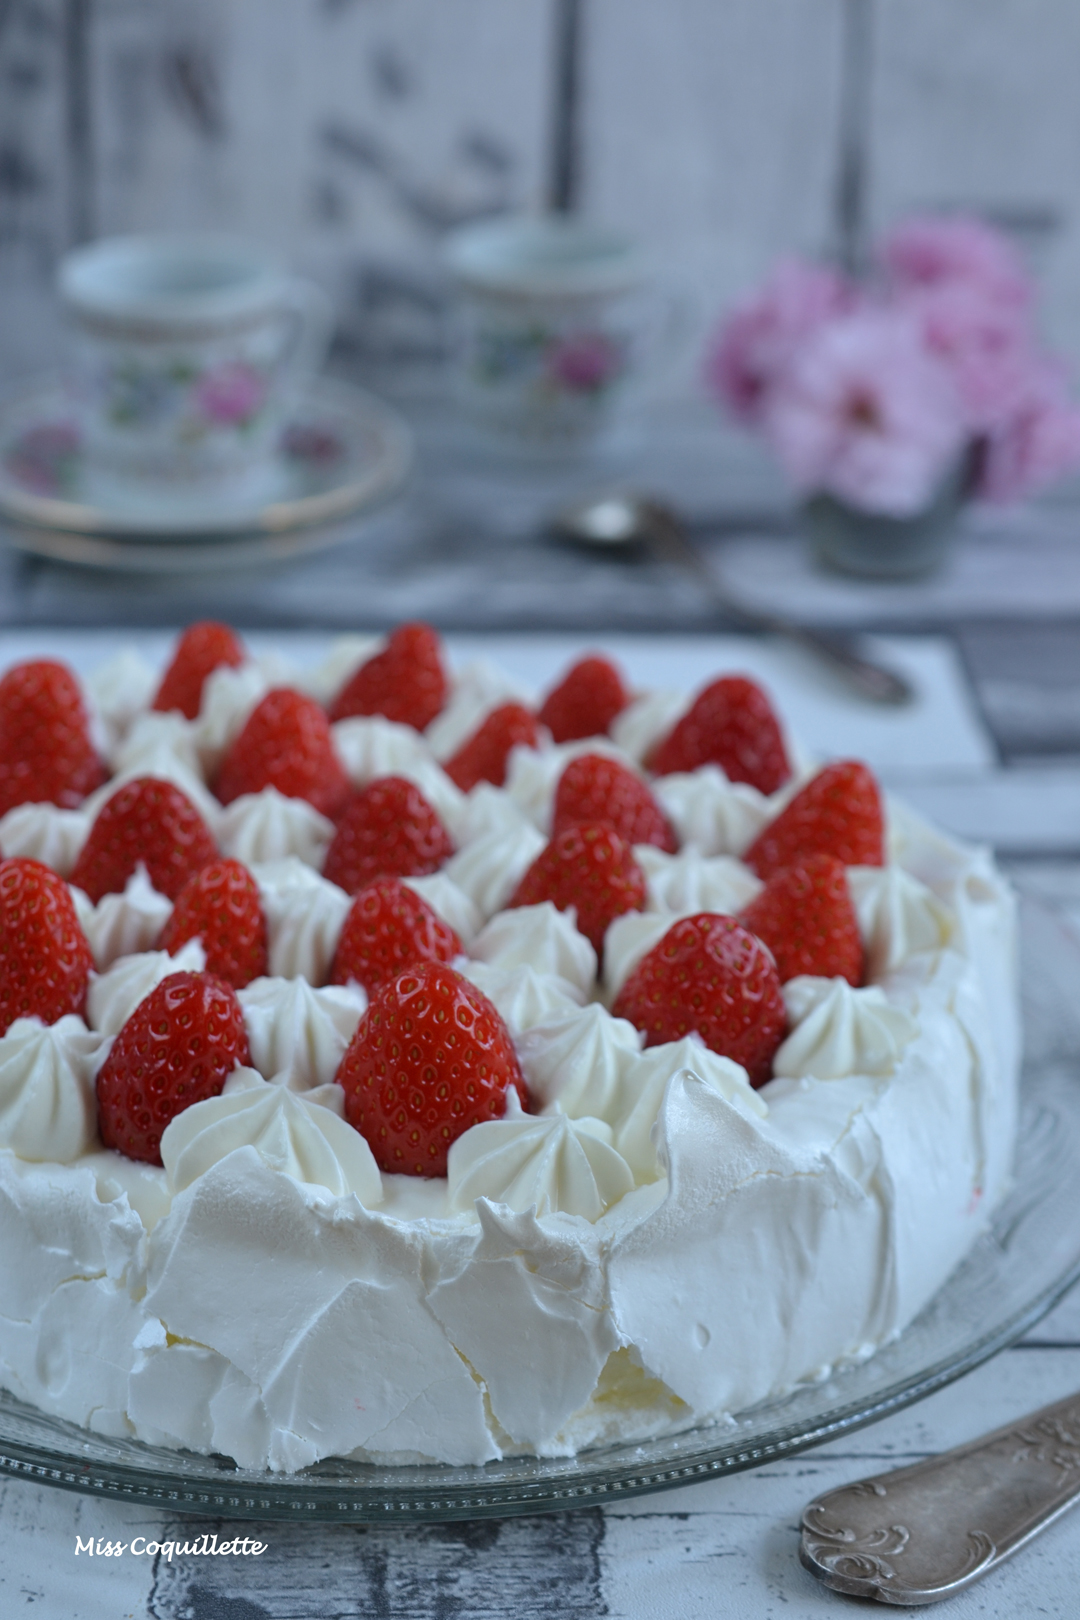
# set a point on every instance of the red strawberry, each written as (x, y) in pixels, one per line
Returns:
(709, 975)
(178, 1047)
(805, 916)
(46, 756)
(483, 756)
(838, 813)
(45, 961)
(150, 821)
(388, 830)
(405, 682)
(430, 1058)
(594, 788)
(388, 929)
(586, 701)
(731, 724)
(590, 868)
(285, 744)
(203, 648)
(220, 905)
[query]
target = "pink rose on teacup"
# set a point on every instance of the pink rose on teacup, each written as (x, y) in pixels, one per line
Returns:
(231, 395)
(584, 362)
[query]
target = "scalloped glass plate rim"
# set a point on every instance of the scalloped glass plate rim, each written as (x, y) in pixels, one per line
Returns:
(1023, 1265)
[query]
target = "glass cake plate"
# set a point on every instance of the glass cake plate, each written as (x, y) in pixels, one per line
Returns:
(1013, 1275)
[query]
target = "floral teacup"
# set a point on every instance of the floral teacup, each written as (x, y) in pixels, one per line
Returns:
(551, 324)
(189, 352)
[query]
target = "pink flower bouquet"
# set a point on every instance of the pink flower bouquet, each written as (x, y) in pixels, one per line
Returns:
(923, 385)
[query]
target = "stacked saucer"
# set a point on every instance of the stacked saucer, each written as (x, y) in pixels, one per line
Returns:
(340, 454)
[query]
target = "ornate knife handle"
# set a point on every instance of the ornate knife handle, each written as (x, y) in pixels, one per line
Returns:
(925, 1532)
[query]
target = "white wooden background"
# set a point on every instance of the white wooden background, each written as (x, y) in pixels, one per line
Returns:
(352, 133)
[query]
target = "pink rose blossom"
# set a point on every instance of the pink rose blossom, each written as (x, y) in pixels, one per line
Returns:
(231, 394)
(931, 249)
(759, 339)
(865, 413)
(1039, 442)
(876, 393)
(986, 344)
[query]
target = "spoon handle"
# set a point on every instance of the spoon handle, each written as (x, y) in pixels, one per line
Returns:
(838, 648)
(922, 1533)
(841, 650)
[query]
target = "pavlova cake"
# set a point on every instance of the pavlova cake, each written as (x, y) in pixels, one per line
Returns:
(392, 1066)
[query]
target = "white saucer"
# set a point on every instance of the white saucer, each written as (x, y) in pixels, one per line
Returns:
(342, 452)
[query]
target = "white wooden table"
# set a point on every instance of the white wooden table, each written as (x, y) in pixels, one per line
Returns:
(724, 1548)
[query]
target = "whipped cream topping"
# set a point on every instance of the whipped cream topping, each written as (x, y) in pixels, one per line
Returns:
(304, 1137)
(629, 938)
(304, 918)
(449, 902)
(644, 1085)
(645, 721)
(44, 832)
(229, 697)
(837, 1030)
(279, 1368)
(898, 916)
(143, 1188)
(113, 996)
(124, 924)
(48, 1109)
(576, 1062)
(118, 690)
(691, 882)
(490, 814)
(547, 1271)
(925, 851)
(478, 688)
(267, 826)
(297, 1035)
(541, 937)
(496, 847)
(711, 814)
(521, 996)
(324, 680)
(551, 1164)
(153, 735)
(369, 746)
(739, 1196)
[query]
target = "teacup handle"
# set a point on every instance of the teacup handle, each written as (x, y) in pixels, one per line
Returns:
(312, 316)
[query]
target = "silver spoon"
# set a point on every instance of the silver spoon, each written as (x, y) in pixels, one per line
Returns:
(616, 521)
(925, 1532)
